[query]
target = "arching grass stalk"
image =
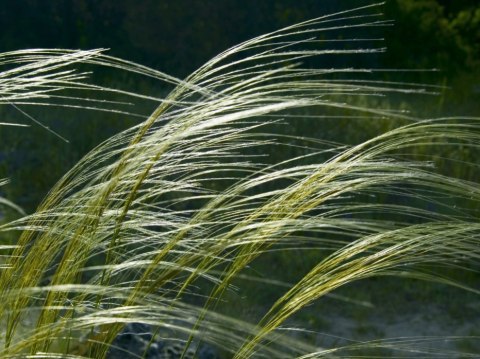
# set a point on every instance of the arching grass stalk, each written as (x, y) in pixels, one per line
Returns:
(155, 224)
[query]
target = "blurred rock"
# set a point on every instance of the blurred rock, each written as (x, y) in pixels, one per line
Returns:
(137, 341)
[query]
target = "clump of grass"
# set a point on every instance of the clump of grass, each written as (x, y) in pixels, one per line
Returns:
(155, 223)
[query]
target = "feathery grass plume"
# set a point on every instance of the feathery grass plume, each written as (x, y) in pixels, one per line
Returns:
(155, 224)
(32, 76)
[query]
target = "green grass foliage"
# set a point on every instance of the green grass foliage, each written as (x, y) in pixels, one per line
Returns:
(160, 223)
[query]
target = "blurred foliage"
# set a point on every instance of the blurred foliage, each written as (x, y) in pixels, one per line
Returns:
(426, 35)
(442, 35)
(179, 35)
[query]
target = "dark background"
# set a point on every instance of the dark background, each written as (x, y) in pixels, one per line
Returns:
(177, 36)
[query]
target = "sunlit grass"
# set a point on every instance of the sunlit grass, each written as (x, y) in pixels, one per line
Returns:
(155, 224)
